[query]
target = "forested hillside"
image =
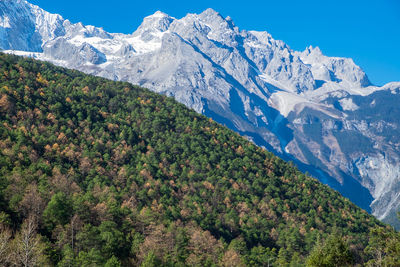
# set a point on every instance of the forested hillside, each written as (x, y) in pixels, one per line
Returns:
(95, 172)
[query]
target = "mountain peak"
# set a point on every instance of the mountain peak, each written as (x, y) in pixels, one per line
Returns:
(210, 12)
(313, 50)
(159, 21)
(334, 69)
(211, 16)
(218, 24)
(157, 14)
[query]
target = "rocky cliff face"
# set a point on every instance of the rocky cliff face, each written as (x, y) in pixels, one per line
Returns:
(320, 112)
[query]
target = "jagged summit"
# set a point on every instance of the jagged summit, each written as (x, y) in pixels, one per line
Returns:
(158, 14)
(159, 21)
(216, 21)
(302, 105)
(210, 12)
(312, 50)
(210, 15)
(276, 62)
(334, 69)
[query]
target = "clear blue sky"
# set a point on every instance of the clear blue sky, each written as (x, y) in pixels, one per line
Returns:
(367, 31)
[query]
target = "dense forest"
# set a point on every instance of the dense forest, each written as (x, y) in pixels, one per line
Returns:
(101, 173)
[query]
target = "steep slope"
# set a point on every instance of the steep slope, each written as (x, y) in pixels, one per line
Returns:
(112, 172)
(315, 110)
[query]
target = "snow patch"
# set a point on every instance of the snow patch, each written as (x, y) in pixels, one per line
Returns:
(348, 104)
(142, 46)
(285, 102)
(5, 22)
(158, 14)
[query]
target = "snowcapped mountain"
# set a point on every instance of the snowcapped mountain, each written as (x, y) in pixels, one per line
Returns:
(320, 112)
